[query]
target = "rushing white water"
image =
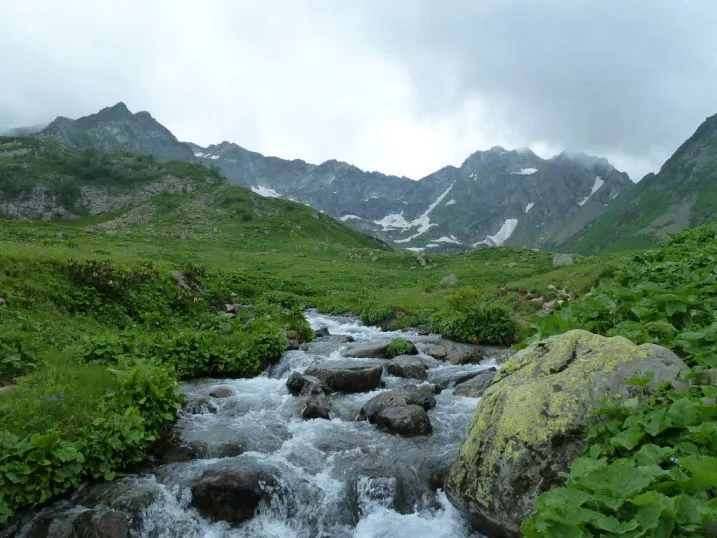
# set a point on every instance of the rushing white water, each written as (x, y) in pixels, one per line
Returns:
(337, 478)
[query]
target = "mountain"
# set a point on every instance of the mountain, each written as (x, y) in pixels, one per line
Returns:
(121, 194)
(496, 197)
(115, 128)
(682, 194)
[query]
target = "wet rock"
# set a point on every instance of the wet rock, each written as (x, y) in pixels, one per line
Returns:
(304, 384)
(408, 366)
(314, 406)
(231, 494)
(222, 392)
(347, 376)
(376, 351)
(79, 522)
(322, 332)
(172, 449)
(451, 376)
(312, 401)
(422, 396)
(128, 495)
(407, 420)
(200, 406)
(292, 345)
(455, 352)
(528, 426)
(475, 387)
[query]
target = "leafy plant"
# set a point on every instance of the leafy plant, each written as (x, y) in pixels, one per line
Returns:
(399, 346)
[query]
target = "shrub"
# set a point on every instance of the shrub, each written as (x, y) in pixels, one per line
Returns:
(484, 324)
(399, 346)
(374, 315)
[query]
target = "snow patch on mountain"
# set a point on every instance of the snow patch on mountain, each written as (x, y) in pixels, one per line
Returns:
(266, 192)
(444, 239)
(349, 217)
(394, 221)
(525, 172)
(529, 206)
(423, 222)
(416, 249)
(450, 202)
(501, 236)
(596, 187)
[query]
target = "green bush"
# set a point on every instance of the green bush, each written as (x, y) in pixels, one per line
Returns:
(484, 324)
(373, 315)
(399, 346)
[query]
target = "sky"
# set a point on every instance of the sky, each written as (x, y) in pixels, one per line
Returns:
(402, 86)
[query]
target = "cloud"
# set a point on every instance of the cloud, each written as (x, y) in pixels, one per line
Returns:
(404, 87)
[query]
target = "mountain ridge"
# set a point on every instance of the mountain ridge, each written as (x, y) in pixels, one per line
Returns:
(497, 196)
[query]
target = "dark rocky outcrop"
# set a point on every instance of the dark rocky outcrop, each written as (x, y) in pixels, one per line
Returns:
(231, 494)
(347, 375)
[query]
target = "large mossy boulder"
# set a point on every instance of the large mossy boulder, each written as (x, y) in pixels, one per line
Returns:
(529, 424)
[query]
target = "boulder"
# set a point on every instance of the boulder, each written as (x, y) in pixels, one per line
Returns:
(322, 332)
(422, 396)
(376, 351)
(231, 494)
(529, 424)
(450, 376)
(172, 449)
(475, 387)
(314, 406)
(455, 353)
(303, 384)
(407, 420)
(292, 345)
(222, 392)
(79, 522)
(408, 366)
(200, 406)
(346, 375)
(450, 280)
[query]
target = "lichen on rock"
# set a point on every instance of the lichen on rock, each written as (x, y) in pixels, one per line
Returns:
(529, 424)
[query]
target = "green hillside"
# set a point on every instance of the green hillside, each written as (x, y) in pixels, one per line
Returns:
(681, 195)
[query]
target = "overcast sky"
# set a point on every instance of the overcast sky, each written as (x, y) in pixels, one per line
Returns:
(400, 86)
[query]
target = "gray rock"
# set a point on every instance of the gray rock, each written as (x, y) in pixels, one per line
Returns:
(321, 332)
(347, 375)
(311, 401)
(451, 376)
(450, 280)
(222, 392)
(407, 420)
(411, 395)
(368, 352)
(455, 352)
(231, 494)
(79, 522)
(173, 449)
(563, 259)
(408, 366)
(529, 424)
(314, 406)
(200, 406)
(475, 387)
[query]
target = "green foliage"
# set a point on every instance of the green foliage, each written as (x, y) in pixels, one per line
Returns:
(650, 467)
(399, 346)
(373, 315)
(649, 471)
(482, 324)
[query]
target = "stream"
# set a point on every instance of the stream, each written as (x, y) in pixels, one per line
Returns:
(337, 478)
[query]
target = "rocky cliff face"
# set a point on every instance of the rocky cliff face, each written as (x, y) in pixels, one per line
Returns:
(496, 197)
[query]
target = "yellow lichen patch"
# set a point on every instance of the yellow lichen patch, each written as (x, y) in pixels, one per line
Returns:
(541, 393)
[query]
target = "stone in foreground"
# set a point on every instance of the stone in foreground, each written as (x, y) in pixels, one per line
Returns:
(231, 494)
(455, 352)
(408, 366)
(529, 424)
(422, 396)
(407, 420)
(347, 375)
